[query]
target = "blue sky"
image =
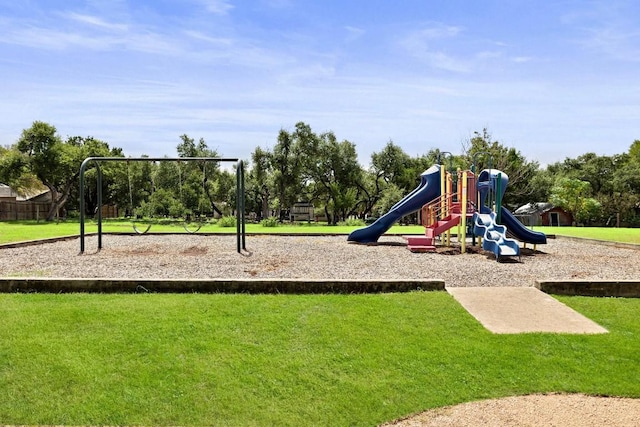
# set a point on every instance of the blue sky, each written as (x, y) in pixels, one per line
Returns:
(553, 79)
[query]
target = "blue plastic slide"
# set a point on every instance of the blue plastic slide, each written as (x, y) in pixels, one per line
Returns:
(494, 236)
(519, 230)
(428, 190)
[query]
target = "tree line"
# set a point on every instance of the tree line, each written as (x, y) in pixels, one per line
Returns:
(315, 168)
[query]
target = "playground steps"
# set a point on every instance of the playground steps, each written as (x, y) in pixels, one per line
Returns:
(443, 225)
(426, 243)
(420, 244)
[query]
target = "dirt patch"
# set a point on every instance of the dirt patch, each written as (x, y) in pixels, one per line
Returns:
(567, 410)
(194, 251)
(144, 250)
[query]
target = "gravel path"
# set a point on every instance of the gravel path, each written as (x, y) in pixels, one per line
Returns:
(311, 257)
(539, 410)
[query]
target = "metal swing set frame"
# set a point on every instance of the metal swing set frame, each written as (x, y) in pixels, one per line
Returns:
(240, 202)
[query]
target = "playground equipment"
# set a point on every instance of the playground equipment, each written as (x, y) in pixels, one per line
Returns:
(448, 200)
(188, 223)
(492, 184)
(494, 236)
(452, 208)
(240, 223)
(427, 190)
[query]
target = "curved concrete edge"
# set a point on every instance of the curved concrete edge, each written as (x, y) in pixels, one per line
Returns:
(25, 243)
(253, 286)
(591, 288)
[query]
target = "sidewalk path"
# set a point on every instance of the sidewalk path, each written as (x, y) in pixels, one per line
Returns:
(505, 310)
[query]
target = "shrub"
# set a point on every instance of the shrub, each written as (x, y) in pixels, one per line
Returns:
(354, 222)
(272, 221)
(227, 221)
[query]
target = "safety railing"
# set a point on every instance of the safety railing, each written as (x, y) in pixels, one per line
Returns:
(436, 210)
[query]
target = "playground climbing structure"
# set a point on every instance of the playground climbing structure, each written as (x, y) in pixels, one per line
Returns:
(453, 208)
(446, 200)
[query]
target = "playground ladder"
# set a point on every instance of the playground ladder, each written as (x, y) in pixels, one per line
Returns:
(438, 216)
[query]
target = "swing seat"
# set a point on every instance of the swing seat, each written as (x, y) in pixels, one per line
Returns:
(141, 230)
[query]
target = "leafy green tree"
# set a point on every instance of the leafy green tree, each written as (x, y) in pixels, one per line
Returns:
(387, 167)
(573, 196)
(54, 162)
(393, 165)
(370, 189)
(288, 158)
(613, 180)
(589, 211)
(140, 185)
(163, 203)
(335, 172)
(521, 171)
(198, 178)
(634, 151)
(224, 189)
(391, 195)
(260, 182)
(395, 174)
(14, 172)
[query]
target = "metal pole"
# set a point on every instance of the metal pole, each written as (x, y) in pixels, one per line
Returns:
(83, 167)
(463, 219)
(499, 198)
(238, 219)
(99, 205)
(86, 161)
(244, 222)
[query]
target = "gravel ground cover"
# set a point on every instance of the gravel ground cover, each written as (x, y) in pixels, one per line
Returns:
(312, 257)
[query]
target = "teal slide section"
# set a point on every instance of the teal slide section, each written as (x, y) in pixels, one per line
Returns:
(488, 182)
(427, 190)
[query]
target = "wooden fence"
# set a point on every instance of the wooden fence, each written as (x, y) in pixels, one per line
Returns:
(17, 211)
(12, 210)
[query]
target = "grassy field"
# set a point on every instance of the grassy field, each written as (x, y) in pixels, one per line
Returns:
(14, 231)
(623, 235)
(286, 360)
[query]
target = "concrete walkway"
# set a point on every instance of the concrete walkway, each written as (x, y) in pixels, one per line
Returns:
(505, 310)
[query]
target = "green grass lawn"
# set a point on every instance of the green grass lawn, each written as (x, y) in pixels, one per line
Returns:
(623, 235)
(80, 359)
(15, 231)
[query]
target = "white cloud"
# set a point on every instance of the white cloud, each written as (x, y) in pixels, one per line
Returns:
(217, 7)
(354, 33)
(615, 42)
(425, 45)
(607, 27)
(488, 54)
(216, 41)
(96, 21)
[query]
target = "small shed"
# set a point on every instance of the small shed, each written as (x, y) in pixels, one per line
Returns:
(7, 193)
(542, 213)
(557, 216)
